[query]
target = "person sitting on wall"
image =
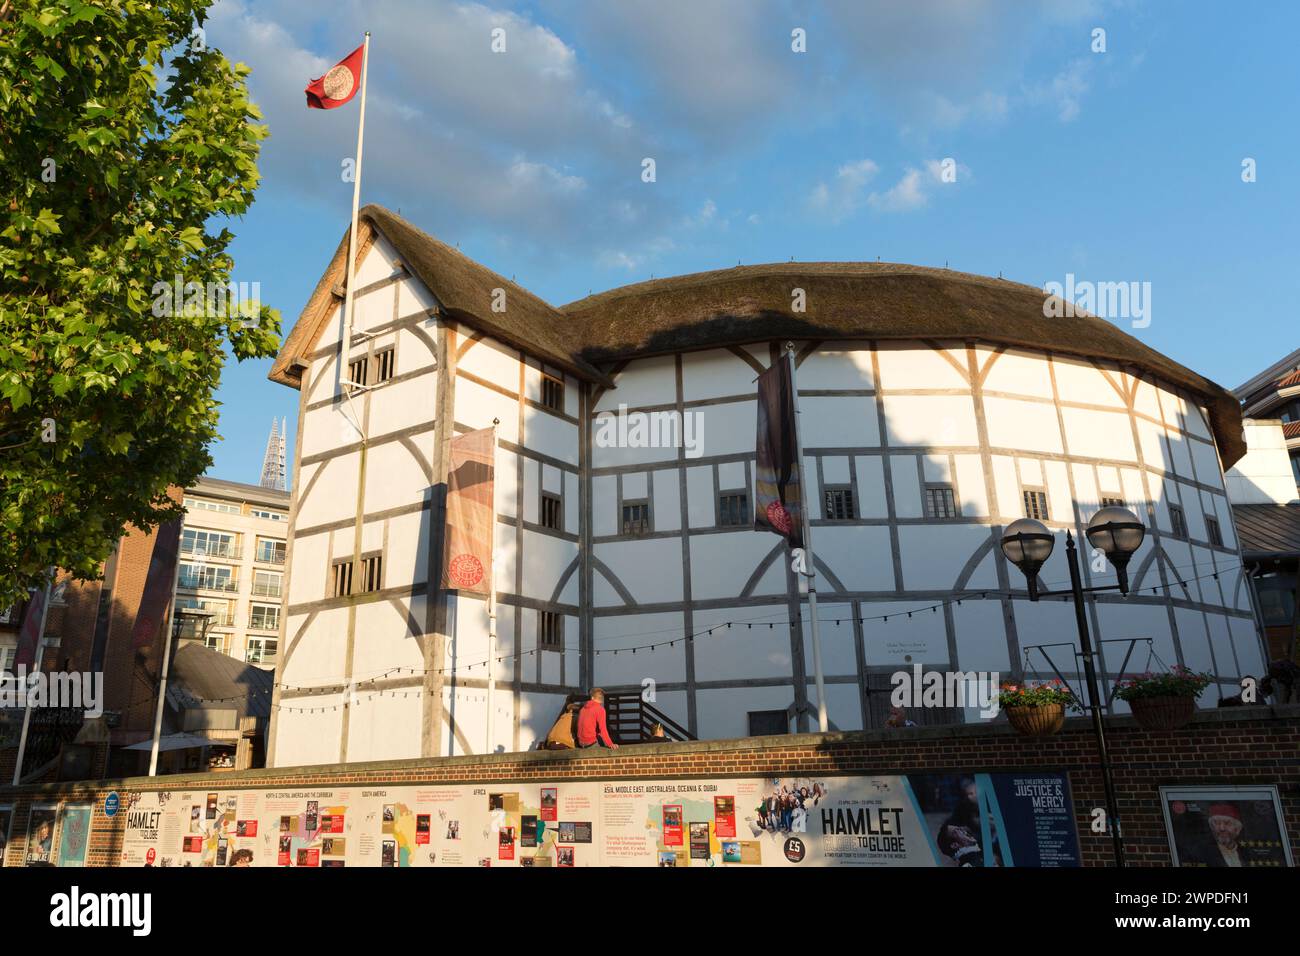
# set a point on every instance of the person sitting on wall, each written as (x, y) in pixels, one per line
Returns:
(591, 723)
(563, 735)
(658, 735)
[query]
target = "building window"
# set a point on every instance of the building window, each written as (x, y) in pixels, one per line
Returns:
(341, 578)
(636, 517)
(261, 650)
(271, 515)
(838, 504)
(270, 551)
(266, 584)
(219, 609)
(357, 370)
(208, 576)
(264, 617)
(940, 502)
(551, 635)
(383, 365)
(7, 654)
(1212, 529)
(733, 508)
(1110, 501)
(210, 543)
(552, 512)
(1177, 522)
(217, 642)
(199, 504)
(1036, 505)
(765, 723)
(372, 572)
(552, 393)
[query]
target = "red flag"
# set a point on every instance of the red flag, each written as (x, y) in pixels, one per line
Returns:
(338, 85)
(467, 550)
(29, 634)
(779, 502)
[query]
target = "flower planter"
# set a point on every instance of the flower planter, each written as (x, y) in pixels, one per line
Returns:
(1163, 713)
(1037, 721)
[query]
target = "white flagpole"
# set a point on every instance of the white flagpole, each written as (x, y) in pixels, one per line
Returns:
(811, 573)
(492, 614)
(344, 371)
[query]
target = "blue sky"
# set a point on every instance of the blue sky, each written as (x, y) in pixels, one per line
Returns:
(1115, 166)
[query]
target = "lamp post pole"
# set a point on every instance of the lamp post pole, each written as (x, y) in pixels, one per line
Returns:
(1094, 698)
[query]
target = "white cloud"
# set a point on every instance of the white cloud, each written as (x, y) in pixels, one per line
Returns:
(841, 197)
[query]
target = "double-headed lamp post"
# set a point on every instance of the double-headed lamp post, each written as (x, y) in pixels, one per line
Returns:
(1117, 533)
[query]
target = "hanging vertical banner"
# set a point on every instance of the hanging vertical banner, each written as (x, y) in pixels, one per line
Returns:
(29, 635)
(779, 503)
(467, 548)
(157, 584)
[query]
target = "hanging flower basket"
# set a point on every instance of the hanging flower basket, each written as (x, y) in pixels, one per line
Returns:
(1037, 721)
(1163, 713)
(1035, 710)
(1163, 701)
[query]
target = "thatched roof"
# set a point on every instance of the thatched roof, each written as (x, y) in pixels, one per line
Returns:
(747, 304)
(465, 291)
(867, 300)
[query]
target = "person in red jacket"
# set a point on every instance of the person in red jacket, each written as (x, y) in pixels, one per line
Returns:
(591, 723)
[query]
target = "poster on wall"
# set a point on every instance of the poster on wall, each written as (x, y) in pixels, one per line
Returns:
(945, 820)
(74, 834)
(1225, 826)
(40, 835)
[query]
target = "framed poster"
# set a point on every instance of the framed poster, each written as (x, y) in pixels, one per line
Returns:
(74, 834)
(40, 834)
(1225, 826)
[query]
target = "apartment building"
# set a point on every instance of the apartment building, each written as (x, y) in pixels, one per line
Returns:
(232, 564)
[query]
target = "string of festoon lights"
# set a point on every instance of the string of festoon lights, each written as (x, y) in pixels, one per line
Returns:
(353, 686)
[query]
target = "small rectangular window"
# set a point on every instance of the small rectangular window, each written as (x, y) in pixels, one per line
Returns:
(940, 502)
(383, 365)
(372, 572)
(552, 512)
(839, 504)
(733, 509)
(551, 635)
(1177, 522)
(552, 393)
(261, 650)
(1212, 529)
(1036, 505)
(341, 578)
(636, 517)
(357, 369)
(263, 617)
(765, 723)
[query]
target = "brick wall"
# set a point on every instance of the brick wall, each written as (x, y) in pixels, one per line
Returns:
(1257, 745)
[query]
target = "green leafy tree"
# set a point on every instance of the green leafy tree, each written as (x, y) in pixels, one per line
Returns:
(126, 144)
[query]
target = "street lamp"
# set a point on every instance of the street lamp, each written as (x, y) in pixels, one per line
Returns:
(1117, 533)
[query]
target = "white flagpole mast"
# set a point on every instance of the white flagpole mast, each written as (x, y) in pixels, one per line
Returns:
(811, 572)
(344, 370)
(492, 616)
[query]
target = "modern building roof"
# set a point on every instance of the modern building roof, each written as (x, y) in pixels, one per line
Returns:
(202, 676)
(238, 491)
(1268, 530)
(844, 301)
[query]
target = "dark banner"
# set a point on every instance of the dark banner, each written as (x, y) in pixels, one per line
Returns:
(779, 500)
(467, 554)
(157, 585)
(29, 635)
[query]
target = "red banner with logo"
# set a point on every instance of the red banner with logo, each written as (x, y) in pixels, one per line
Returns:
(29, 635)
(467, 550)
(779, 498)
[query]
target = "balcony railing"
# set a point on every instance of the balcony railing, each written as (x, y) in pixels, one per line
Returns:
(231, 553)
(269, 557)
(266, 590)
(207, 584)
(264, 624)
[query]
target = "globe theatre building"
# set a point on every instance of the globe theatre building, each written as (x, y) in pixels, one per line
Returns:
(935, 408)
